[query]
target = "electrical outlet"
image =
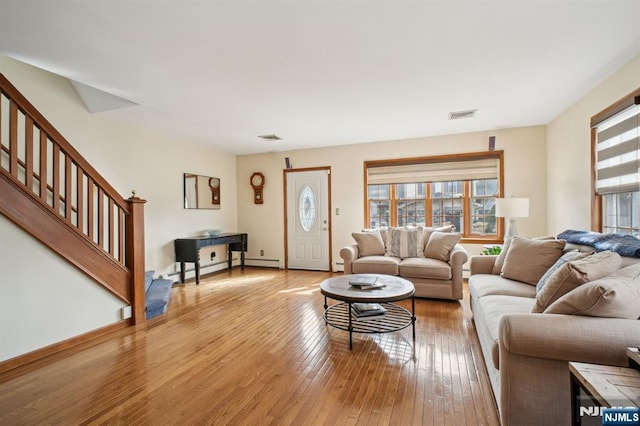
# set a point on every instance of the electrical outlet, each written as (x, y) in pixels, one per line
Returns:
(125, 312)
(261, 252)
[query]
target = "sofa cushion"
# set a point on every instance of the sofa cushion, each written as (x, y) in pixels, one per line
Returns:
(487, 314)
(428, 230)
(369, 243)
(497, 265)
(404, 242)
(376, 265)
(425, 268)
(574, 273)
(614, 296)
(440, 244)
(486, 285)
(566, 257)
(527, 259)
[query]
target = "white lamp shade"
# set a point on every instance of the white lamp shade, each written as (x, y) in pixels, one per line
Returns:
(512, 207)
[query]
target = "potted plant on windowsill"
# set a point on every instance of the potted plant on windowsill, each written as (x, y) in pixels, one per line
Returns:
(492, 250)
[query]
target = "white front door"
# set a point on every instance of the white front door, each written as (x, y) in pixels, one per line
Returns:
(308, 219)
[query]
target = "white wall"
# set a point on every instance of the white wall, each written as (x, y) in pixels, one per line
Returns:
(525, 176)
(569, 151)
(39, 309)
(129, 158)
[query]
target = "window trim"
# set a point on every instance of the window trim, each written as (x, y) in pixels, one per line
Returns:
(605, 114)
(469, 156)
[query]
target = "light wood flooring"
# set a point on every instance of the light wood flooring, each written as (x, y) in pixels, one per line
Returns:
(251, 347)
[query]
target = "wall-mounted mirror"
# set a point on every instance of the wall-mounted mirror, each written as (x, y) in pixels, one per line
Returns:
(201, 192)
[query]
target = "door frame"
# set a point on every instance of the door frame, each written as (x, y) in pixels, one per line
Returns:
(285, 173)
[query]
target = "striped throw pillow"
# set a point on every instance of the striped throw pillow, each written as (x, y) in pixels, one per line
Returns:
(404, 242)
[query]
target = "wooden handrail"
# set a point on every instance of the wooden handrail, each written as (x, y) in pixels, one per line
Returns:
(29, 110)
(42, 165)
(31, 176)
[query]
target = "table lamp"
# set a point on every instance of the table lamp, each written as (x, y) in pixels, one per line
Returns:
(512, 208)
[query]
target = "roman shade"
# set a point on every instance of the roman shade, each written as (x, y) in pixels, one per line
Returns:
(617, 151)
(477, 168)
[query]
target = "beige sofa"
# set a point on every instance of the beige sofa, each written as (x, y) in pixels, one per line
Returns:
(435, 270)
(526, 354)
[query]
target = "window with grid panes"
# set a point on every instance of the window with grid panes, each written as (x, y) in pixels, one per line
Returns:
(620, 213)
(447, 200)
(616, 153)
(410, 203)
(379, 204)
(483, 206)
(468, 204)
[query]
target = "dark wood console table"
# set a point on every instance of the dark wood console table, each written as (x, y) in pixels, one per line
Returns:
(188, 249)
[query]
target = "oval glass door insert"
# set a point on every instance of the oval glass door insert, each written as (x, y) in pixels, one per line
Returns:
(307, 211)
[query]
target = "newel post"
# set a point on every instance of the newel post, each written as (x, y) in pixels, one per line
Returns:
(134, 255)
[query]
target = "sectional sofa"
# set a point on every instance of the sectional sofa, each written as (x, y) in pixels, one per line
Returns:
(537, 308)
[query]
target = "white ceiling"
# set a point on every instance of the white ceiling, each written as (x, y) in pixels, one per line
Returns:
(332, 72)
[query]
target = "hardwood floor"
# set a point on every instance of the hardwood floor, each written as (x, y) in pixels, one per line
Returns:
(251, 347)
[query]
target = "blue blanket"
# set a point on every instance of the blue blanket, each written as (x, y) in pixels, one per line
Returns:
(624, 245)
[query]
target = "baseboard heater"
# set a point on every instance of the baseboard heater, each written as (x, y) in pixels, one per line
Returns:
(203, 268)
(261, 261)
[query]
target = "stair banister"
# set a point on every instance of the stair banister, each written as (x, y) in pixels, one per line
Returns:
(52, 192)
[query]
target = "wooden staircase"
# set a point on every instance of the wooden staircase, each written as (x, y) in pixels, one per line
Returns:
(50, 191)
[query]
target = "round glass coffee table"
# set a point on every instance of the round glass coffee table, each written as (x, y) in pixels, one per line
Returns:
(366, 303)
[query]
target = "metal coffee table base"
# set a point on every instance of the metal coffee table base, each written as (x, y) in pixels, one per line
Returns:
(396, 318)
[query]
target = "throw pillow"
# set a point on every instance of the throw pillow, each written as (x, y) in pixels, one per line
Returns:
(499, 262)
(369, 243)
(403, 242)
(382, 230)
(568, 256)
(614, 296)
(383, 233)
(440, 245)
(575, 273)
(497, 265)
(527, 260)
(428, 230)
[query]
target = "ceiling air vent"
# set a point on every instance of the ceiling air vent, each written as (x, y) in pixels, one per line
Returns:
(457, 115)
(270, 137)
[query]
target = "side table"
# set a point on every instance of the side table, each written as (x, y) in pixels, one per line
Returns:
(606, 386)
